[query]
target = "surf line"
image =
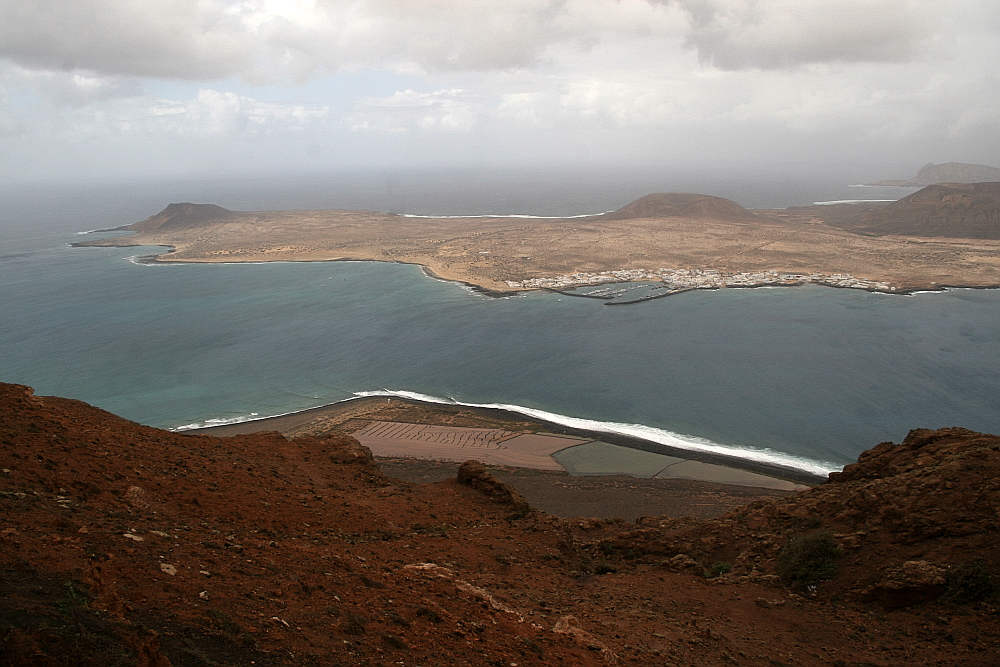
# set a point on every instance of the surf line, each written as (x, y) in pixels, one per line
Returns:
(634, 436)
(676, 441)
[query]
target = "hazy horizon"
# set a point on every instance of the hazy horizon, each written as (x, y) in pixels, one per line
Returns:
(98, 91)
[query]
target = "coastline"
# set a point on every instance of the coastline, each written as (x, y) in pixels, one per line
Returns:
(556, 284)
(329, 416)
(152, 260)
(502, 257)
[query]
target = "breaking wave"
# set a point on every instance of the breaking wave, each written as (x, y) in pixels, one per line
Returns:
(649, 433)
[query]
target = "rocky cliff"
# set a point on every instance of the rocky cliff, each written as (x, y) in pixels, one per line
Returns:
(127, 545)
(950, 172)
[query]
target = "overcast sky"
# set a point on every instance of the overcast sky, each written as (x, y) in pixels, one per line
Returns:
(162, 88)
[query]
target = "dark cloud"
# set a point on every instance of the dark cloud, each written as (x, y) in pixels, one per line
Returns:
(182, 39)
(779, 34)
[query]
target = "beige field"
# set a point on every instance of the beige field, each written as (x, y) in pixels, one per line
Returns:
(451, 443)
(488, 251)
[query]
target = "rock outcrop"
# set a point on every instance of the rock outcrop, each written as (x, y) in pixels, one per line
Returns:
(475, 474)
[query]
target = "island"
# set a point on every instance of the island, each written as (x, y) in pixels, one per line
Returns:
(949, 172)
(947, 238)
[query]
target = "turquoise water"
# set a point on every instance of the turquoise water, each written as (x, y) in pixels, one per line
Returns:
(815, 373)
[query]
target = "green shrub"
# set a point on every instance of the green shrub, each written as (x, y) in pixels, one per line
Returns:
(718, 570)
(354, 624)
(971, 582)
(604, 568)
(392, 641)
(808, 559)
(428, 615)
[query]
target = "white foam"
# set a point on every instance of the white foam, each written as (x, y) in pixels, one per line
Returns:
(872, 185)
(663, 437)
(660, 436)
(242, 419)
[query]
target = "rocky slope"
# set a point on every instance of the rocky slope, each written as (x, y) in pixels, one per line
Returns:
(682, 205)
(122, 545)
(958, 210)
(176, 217)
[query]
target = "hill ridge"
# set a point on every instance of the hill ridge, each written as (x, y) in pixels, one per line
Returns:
(183, 215)
(125, 544)
(681, 205)
(963, 210)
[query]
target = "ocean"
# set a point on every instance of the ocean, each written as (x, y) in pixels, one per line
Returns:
(805, 377)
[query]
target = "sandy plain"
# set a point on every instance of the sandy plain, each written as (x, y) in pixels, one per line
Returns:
(487, 252)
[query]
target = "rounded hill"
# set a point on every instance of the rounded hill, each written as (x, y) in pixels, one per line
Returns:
(961, 210)
(182, 216)
(682, 205)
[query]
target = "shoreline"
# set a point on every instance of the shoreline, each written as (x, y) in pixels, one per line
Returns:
(505, 256)
(152, 260)
(346, 408)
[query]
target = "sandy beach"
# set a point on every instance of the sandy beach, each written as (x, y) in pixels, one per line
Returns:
(564, 471)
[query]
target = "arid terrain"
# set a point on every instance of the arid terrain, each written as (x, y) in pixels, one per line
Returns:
(663, 231)
(122, 544)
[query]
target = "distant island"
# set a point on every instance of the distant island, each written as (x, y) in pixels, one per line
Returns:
(950, 172)
(947, 235)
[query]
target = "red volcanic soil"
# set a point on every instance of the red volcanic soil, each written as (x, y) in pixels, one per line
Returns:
(122, 544)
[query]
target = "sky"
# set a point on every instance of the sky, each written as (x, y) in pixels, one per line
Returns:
(125, 89)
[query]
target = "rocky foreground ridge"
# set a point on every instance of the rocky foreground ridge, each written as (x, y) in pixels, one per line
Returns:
(122, 544)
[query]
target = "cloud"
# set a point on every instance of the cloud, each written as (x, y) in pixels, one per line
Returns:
(213, 113)
(182, 39)
(449, 111)
(772, 34)
(270, 40)
(465, 77)
(210, 113)
(55, 89)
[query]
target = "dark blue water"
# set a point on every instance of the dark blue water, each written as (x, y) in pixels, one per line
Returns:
(815, 373)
